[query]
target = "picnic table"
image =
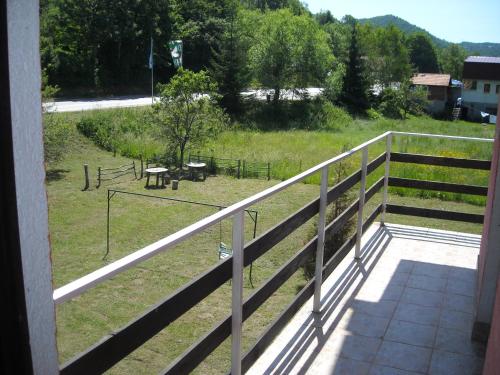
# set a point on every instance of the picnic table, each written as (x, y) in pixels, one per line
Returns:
(159, 172)
(195, 169)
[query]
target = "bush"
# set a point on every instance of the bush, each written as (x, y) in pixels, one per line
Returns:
(391, 103)
(56, 134)
(372, 114)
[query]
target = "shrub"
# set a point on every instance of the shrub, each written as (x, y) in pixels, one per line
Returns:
(372, 114)
(56, 134)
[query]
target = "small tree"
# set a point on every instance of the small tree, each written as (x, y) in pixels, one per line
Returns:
(289, 52)
(187, 112)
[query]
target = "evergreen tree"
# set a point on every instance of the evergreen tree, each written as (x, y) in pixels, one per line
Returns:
(355, 88)
(229, 63)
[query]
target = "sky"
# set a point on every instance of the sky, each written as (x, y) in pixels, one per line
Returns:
(455, 21)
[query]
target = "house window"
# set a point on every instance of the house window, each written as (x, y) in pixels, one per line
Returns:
(470, 84)
(487, 88)
(498, 89)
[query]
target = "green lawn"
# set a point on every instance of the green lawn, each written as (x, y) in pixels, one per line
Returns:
(78, 226)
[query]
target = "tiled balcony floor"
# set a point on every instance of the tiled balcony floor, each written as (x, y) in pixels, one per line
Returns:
(405, 308)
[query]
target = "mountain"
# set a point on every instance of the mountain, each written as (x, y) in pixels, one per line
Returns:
(484, 49)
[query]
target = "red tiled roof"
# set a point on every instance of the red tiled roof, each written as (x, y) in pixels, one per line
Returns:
(431, 79)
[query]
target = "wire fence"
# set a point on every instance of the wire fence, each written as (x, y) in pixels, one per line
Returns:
(110, 174)
(233, 167)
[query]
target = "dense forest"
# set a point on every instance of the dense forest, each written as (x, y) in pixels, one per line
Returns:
(103, 46)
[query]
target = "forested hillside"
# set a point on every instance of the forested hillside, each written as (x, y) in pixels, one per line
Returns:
(483, 49)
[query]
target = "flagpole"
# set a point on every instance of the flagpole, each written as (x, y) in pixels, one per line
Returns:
(152, 70)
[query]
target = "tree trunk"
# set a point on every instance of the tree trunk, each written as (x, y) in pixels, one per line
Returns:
(181, 160)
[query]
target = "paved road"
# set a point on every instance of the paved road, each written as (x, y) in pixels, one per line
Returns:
(76, 105)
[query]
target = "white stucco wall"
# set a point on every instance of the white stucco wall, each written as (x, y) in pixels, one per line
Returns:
(478, 95)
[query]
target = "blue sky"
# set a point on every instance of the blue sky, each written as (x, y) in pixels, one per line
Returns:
(455, 21)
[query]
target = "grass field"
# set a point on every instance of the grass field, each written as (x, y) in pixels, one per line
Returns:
(130, 132)
(78, 223)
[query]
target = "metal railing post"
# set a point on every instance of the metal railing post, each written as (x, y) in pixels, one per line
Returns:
(386, 176)
(237, 292)
(320, 249)
(362, 188)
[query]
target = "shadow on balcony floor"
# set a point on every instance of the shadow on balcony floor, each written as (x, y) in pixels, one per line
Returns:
(405, 308)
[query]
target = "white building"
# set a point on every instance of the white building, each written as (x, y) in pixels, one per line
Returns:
(481, 89)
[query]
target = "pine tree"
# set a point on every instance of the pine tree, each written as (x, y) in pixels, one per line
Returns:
(355, 88)
(229, 65)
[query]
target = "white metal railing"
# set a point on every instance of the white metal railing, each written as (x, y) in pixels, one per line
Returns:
(86, 282)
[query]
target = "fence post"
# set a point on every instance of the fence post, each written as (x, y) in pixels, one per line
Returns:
(386, 176)
(135, 172)
(212, 165)
(98, 177)
(320, 247)
(244, 166)
(239, 166)
(237, 292)
(142, 167)
(86, 171)
(268, 171)
(362, 188)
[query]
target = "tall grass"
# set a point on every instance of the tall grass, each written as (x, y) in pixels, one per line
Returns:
(131, 133)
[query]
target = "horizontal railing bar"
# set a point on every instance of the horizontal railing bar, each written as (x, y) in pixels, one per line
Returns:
(193, 356)
(280, 322)
(443, 136)
(435, 214)
(438, 186)
(80, 285)
(440, 161)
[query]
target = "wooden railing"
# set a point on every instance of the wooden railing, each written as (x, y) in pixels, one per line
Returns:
(114, 347)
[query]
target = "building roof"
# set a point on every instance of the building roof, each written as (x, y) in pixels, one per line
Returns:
(483, 59)
(482, 67)
(431, 79)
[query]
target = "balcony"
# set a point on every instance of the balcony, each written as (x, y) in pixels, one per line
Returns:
(404, 308)
(390, 299)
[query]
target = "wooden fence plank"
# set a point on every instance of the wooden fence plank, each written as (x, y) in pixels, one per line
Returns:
(435, 214)
(440, 161)
(439, 186)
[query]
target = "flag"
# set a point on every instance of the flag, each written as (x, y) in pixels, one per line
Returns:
(151, 55)
(176, 52)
